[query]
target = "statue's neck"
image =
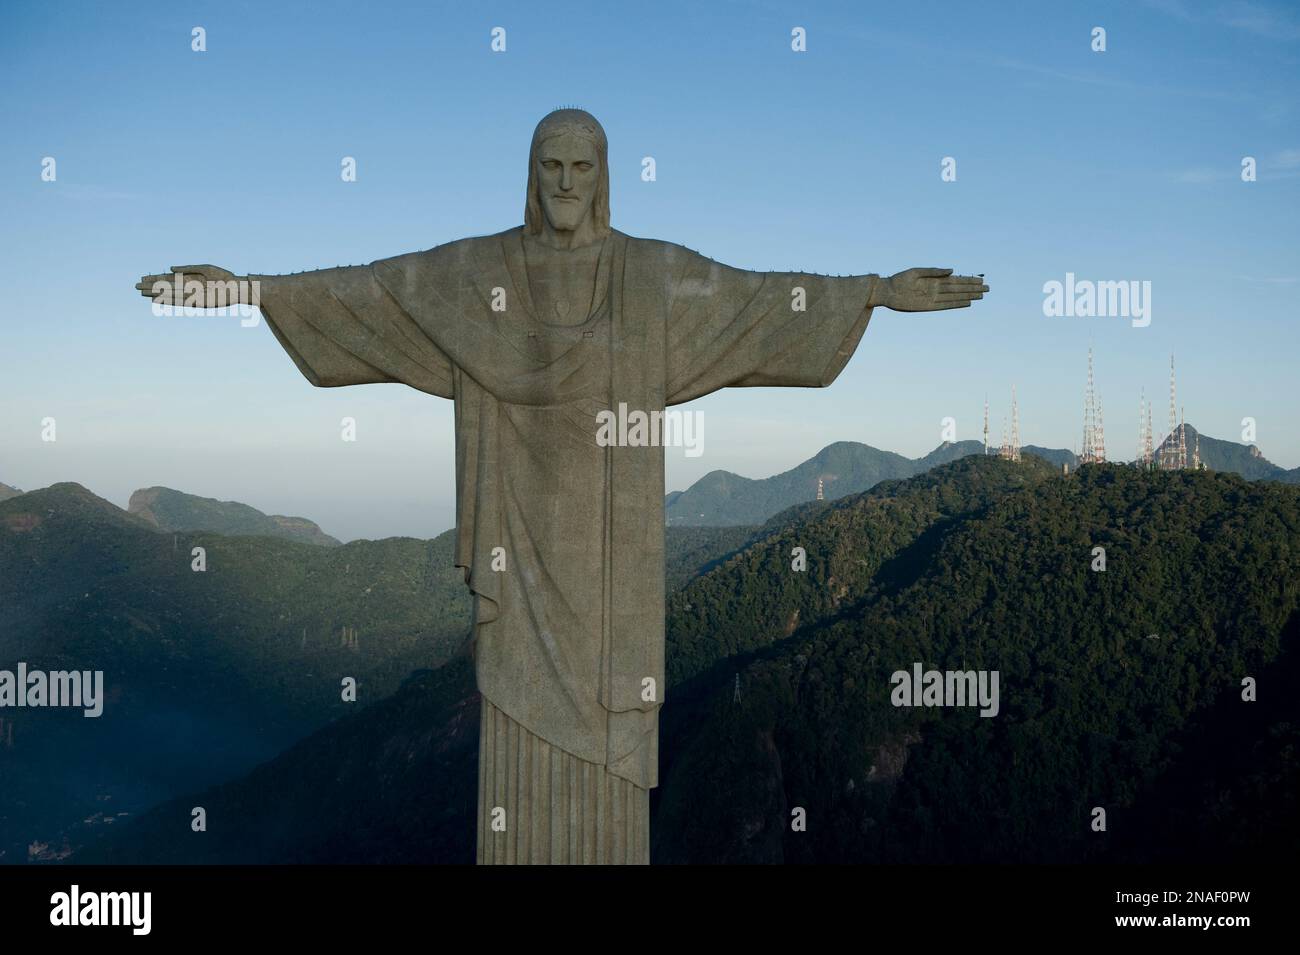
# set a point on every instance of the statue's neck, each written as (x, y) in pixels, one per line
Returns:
(567, 241)
(543, 255)
(563, 283)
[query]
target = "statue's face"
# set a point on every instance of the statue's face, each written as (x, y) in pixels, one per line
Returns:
(568, 169)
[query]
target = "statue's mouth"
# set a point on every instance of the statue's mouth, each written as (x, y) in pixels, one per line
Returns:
(566, 198)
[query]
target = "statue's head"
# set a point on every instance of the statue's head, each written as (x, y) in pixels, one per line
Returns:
(568, 174)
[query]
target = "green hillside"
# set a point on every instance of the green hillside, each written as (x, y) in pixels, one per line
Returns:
(690, 551)
(755, 598)
(206, 673)
(1102, 674)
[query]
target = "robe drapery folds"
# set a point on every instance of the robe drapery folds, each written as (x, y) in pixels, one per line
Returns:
(568, 631)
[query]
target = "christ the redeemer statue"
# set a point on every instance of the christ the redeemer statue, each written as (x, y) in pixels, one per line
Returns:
(534, 332)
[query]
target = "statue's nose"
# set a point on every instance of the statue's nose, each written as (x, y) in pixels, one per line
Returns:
(566, 179)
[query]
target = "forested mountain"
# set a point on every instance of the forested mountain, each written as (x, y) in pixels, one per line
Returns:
(206, 672)
(170, 510)
(1119, 688)
(754, 598)
(1102, 672)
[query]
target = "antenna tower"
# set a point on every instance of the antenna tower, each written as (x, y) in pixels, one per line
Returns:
(1015, 427)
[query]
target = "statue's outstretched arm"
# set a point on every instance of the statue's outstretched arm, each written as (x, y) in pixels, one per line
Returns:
(340, 326)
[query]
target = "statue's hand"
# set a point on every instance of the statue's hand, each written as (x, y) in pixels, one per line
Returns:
(220, 287)
(928, 290)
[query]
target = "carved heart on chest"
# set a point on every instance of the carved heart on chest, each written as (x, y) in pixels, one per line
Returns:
(561, 307)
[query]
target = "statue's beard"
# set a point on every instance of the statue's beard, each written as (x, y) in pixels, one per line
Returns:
(566, 215)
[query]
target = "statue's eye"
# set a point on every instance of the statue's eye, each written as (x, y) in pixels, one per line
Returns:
(584, 166)
(550, 163)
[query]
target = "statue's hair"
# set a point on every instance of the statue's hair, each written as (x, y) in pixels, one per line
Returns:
(580, 123)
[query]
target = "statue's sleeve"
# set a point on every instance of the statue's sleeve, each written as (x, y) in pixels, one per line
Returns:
(731, 328)
(343, 327)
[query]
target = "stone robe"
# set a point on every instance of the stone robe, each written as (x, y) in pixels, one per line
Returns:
(569, 631)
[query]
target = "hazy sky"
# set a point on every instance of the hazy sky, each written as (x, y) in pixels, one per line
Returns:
(1122, 165)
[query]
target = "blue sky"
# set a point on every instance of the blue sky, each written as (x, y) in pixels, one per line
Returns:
(1123, 165)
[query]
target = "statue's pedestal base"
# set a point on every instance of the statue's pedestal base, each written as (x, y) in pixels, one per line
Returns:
(558, 809)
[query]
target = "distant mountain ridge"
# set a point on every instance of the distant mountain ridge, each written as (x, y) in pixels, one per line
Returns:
(7, 492)
(723, 499)
(170, 510)
(1244, 459)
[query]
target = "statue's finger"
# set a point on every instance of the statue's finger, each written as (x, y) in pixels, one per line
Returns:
(933, 273)
(193, 268)
(942, 305)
